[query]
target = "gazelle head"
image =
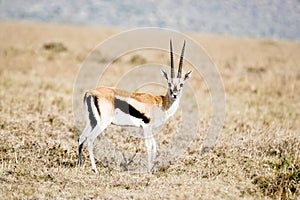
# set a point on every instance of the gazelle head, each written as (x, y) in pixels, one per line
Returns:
(175, 84)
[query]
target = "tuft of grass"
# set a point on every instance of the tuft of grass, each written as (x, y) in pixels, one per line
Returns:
(282, 179)
(55, 47)
(137, 60)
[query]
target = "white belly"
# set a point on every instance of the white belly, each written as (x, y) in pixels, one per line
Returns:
(123, 119)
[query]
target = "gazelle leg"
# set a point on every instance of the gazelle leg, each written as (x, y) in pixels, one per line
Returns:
(81, 141)
(90, 141)
(150, 147)
(154, 149)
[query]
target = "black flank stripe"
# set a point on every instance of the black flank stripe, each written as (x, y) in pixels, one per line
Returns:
(129, 109)
(92, 118)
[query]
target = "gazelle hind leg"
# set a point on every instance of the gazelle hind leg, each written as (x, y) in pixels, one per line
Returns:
(90, 145)
(81, 142)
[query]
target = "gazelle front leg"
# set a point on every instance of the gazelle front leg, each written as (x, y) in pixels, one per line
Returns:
(150, 147)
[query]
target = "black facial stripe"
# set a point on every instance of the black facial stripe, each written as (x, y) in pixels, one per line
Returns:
(129, 109)
(92, 118)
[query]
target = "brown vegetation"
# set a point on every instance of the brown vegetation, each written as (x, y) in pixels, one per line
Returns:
(257, 156)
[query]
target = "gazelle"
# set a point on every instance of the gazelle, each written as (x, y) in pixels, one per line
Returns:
(105, 106)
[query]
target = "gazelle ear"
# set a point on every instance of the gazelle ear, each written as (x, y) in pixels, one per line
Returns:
(164, 74)
(188, 75)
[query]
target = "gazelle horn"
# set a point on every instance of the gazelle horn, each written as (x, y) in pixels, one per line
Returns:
(181, 61)
(172, 62)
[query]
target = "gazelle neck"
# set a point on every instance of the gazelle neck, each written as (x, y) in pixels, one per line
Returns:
(170, 105)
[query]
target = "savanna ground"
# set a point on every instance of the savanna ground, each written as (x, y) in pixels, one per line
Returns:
(257, 155)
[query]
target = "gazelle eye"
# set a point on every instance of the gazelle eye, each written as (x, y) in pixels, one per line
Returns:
(181, 84)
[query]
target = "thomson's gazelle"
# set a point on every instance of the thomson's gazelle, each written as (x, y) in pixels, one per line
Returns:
(105, 106)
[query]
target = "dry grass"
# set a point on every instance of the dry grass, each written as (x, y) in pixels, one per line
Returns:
(257, 156)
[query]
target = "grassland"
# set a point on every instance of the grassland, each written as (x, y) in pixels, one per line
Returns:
(256, 157)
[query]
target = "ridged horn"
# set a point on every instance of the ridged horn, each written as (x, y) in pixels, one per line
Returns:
(172, 62)
(181, 61)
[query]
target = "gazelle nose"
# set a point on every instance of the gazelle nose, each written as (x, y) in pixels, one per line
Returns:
(174, 96)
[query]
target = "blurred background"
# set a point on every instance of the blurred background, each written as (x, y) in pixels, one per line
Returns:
(256, 18)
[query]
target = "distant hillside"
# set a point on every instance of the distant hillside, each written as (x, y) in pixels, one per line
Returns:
(256, 18)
